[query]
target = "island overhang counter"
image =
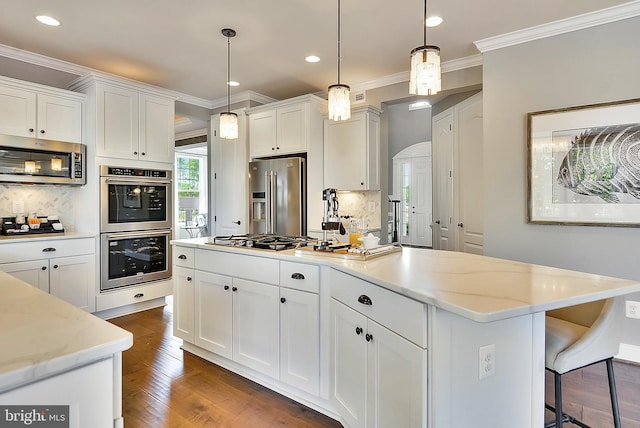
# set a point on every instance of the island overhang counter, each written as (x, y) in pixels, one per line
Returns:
(460, 302)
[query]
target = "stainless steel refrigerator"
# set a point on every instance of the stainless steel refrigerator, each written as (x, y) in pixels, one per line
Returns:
(277, 196)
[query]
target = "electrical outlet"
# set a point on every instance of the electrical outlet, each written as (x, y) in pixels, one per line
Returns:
(372, 207)
(633, 309)
(486, 361)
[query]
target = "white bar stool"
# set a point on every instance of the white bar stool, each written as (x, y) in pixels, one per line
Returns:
(579, 336)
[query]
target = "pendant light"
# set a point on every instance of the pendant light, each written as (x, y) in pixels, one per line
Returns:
(339, 102)
(425, 65)
(228, 120)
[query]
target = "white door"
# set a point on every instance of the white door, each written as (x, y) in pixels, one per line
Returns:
(70, 278)
(300, 339)
(397, 384)
(34, 272)
(443, 140)
(469, 178)
(349, 364)
(230, 180)
(256, 326)
(183, 303)
(213, 313)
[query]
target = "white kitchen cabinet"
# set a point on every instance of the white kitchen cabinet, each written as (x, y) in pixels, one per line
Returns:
(300, 326)
(133, 125)
(352, 151)
(183, 300)
(213, 310)
(27, 111)
(64, 268)
(457, 177)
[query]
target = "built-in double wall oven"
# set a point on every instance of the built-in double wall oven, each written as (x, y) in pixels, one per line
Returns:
(135, 226)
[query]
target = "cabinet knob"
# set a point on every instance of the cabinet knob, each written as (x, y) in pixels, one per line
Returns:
(226, 287)
(358, 331)
(297, 275)
(234, 289)
(182, 257)
(460, 225)
(42, 131)
(55, 266)
(31, 129)
(139, 295)
(143, 154)
(283, 300)
(277, 148)
(369, 337)
(365, 300)
(48, 250)
(437, 222)
(135, 153)
(189, 278)
(273, 148)
(362, 183)
(43, 268)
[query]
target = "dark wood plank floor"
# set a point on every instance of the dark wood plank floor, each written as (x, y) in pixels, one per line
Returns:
(166, 387)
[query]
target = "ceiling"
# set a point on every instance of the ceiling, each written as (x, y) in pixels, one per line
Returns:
(179, 45)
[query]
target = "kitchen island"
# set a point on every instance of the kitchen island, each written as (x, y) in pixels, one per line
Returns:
(54, 354)
(399, 340)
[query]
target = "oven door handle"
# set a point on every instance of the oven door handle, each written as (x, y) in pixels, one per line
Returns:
(138, 181)
(137, 233)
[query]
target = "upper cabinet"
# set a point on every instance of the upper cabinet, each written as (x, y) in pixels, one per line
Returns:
(352, 151)
(29, 110)
(130, 122)
(283, 127)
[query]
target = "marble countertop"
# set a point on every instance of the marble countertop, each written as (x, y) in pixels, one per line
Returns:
(480, 288)
(42, 335)
(43, 237)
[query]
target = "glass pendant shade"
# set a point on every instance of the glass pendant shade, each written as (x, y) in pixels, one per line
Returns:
(228, 125)
(29, 167)
(425, 71)
(339, 102)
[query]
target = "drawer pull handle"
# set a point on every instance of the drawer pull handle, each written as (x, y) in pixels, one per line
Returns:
(369, 337)
(226, 287)
(365, 300)
(189, 278)
(182, 257)
(137, 296)
(48, 250)
(283, 300)
(358, 331)
(297, 276)
(234, 289)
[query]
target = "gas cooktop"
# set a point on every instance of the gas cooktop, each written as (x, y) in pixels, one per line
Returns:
(263, 241)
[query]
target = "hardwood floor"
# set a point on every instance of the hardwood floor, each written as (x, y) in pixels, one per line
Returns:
(166, 387)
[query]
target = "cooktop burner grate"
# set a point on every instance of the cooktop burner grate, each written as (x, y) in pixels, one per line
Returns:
(264, 241)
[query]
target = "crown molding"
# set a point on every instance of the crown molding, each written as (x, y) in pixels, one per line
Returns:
(240, 97)
(579, 22)
(44, 61)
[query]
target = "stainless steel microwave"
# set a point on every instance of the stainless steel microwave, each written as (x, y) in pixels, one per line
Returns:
(30, 160)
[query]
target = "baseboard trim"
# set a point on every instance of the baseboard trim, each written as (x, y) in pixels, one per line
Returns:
(629, 352)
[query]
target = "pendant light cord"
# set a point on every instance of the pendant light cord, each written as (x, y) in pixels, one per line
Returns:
(424, 25)
(228, 74)
(338, 42)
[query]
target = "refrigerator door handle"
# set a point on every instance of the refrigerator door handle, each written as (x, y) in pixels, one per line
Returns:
(270, 181)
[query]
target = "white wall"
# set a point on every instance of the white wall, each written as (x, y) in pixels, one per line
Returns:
(595, 65)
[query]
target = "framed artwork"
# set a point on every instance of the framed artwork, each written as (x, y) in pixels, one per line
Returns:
(584, 165)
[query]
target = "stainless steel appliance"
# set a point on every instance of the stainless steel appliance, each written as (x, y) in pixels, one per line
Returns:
(130, 258)
(277, 196)
(134, 199)
(263, 241)
(29, 160)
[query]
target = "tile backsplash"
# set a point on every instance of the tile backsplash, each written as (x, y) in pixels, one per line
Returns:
(43, 200)
(356, 204)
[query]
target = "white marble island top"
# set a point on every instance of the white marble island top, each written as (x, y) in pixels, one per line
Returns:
(480, 288)
(42, 335)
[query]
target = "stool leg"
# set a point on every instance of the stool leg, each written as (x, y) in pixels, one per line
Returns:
(558, 396)
(613, 393)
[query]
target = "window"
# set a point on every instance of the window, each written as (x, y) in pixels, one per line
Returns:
(191, 186)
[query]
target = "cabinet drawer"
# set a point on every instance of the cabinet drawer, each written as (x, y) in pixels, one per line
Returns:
(183, 256)
(252, 268)
(38, 250)
(300, 276)
(405, 316)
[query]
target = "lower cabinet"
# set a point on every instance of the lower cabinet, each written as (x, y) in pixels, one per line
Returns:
(63, 268)
(378, 377)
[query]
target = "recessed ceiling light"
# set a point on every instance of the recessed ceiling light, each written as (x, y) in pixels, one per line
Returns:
(434, 21)
(47, 20)
(312, 58)
(233, 83)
